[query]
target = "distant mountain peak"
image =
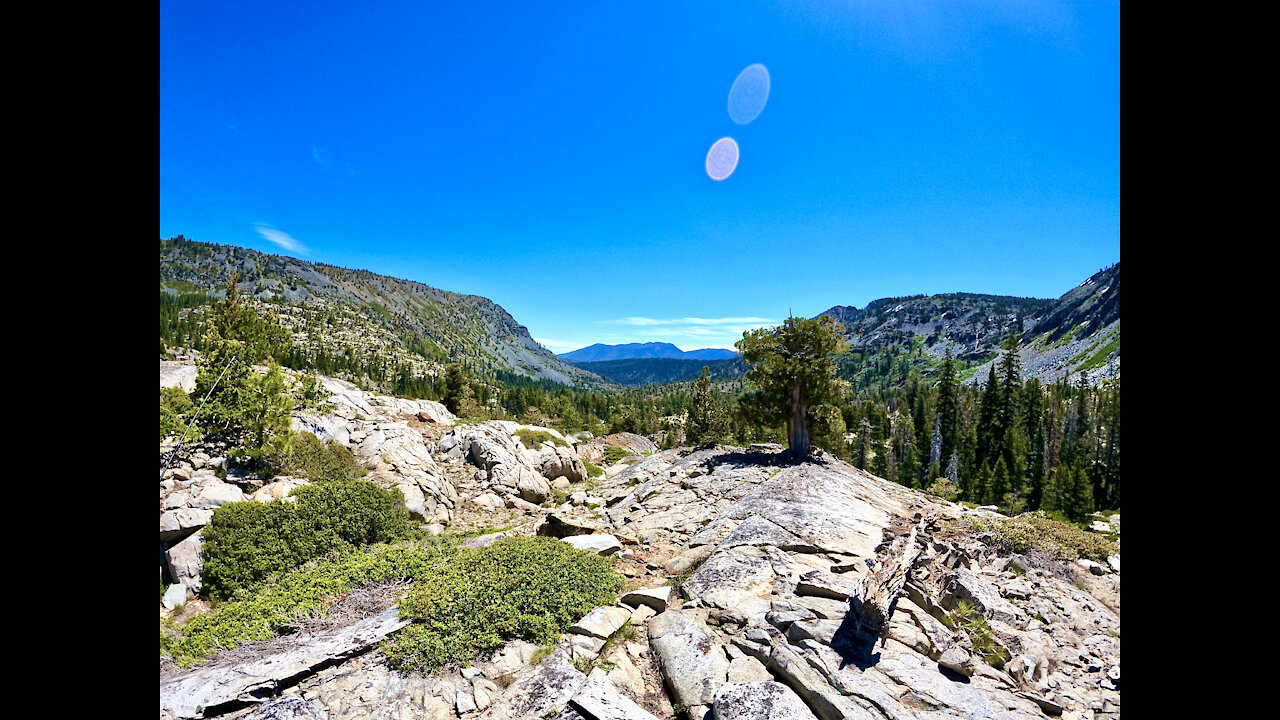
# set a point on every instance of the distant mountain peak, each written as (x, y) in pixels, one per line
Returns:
(628, 351)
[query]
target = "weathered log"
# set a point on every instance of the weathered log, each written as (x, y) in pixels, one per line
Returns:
(875, 592)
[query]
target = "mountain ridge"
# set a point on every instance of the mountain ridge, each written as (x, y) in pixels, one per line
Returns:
(363, 314)
(629, 351)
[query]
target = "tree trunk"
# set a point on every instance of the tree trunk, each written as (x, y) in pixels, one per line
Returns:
(798, 426)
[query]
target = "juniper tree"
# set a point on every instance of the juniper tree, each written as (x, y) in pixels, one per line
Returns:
(793, 373)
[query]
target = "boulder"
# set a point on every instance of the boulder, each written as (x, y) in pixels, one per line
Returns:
(601, 622)
(184, 561)
(654, 597)
(823, 584)
(561, 526)
(175, 595)
(692, 661)
(542, 693)
(965, 585)
(599, 699)
(756, 700)
(560, 462)
(599, 544)
(216, 493)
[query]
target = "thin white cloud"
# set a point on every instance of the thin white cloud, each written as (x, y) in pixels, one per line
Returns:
(280, 238)
(321, 156)
(753, 321)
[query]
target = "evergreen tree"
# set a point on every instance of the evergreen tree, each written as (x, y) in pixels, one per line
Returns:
(267, 413)
(947, 408)
(705, 422)
(990, 432)
(792, 370)
(1033, 422)
(236, 338)
(1000, 486)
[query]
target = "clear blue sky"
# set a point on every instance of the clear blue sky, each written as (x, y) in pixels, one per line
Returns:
(551, 156)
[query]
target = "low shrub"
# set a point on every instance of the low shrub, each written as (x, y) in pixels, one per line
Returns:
(1035, 531)
(305, 592)
(319, 462)
(246, 542)
(532, 588)
(533, 438)
(613, 453)
(593, 470)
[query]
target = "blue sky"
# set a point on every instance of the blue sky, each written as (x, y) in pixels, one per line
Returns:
(552, 156)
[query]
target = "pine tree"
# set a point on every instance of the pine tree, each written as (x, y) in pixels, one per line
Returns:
(1000, 485)
(705, 422)
(792, 370)
(1033, 422)
(947, 409)
(990, 433)
(236, 338)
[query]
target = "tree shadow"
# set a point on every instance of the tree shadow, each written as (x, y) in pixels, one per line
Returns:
(854, 644)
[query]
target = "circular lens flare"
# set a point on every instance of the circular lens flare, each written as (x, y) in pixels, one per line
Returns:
(749, 94)
(722, 159)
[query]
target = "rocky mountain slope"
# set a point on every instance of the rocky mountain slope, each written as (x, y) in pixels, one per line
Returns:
(1079, 333)
(369, 315)
(757, 587)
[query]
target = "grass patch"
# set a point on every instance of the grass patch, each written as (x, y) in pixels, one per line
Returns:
(531, 439)
(593, 470)
(1064, 541)
(533, 588)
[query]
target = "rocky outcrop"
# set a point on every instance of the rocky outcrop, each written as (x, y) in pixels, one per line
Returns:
(193, 694)
(754, 576)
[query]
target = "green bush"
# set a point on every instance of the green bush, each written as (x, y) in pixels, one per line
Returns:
(613, 453)
(319, 462)
(175, 409)
(246, 542)
(533, 438)
(532, 588)
(1035, 531)
(305, 592)
(593, 470)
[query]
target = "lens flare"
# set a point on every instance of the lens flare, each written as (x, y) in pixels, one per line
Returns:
(749, 94)
(722, 159)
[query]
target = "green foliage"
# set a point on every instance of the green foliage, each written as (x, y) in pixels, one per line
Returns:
(175, 413)
(942, 488)
(237, 338)
(614, 453)
(305, 592)
(310, 394)
(532, 588)
(246, 542)
(792, 370)
(1036, 531)
(459, 397)
(969, 620)
(593, 470)
(317, 461)
(534, 438)
(706, 421)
